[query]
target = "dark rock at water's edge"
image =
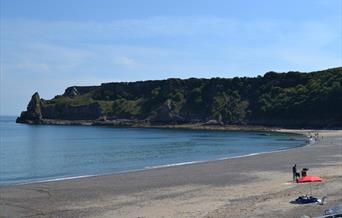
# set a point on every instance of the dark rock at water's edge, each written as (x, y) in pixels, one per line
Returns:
(33, 114)
(292, 100)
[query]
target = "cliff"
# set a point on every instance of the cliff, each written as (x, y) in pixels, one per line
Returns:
(33, 114)
(292, 99)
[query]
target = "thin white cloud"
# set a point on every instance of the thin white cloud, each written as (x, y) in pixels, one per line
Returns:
(126, 61)
(32, 66)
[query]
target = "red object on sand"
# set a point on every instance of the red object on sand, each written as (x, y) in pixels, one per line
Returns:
(310, 179)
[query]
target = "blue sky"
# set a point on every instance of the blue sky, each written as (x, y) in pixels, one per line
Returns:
(48, 45)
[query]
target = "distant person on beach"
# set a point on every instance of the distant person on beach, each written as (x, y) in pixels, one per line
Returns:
(294, 172)
(304, 172)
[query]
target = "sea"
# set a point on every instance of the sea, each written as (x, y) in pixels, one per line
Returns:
(35, 153)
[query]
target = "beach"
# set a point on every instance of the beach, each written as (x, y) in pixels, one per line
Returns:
(252, 186)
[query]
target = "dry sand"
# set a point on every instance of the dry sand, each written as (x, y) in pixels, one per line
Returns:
(255, 186)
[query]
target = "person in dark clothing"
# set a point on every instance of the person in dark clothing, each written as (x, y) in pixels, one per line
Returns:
(304, 172)
(294, 172)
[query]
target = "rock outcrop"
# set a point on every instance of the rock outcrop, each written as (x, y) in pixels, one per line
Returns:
(166, 114)
(33, 114)
(68, 112)
(71, 92)
(39, 110)
(292, 100)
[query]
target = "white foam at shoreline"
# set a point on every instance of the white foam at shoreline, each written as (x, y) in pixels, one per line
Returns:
(66, 178)
(55, 179)
(175, 164)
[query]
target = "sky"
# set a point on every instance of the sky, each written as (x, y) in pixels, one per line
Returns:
(49, 45)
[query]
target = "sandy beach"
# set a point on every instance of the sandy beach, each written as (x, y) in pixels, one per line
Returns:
(254, 186)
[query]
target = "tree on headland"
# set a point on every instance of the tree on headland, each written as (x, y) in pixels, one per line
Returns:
(281, 99)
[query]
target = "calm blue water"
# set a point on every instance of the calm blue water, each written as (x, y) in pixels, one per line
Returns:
(31, 153)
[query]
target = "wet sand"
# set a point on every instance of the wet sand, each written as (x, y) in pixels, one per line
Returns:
(254, 186)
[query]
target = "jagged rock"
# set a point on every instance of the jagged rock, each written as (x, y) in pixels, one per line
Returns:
(33, 113)
(71, 92)
(165, 114)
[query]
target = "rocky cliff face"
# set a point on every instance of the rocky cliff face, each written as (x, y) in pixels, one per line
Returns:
(69, 112)
(38, 110)
(290, 99)
(71, 92)
(166, 114)
(33, 114)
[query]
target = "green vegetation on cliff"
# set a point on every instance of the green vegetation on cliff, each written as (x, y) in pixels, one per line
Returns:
(290, 99)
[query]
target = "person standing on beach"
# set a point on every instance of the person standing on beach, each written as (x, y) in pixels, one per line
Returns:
(294, 172)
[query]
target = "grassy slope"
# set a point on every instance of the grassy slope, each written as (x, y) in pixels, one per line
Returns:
(275, 96)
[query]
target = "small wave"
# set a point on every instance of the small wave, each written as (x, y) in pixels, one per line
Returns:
(175, 164)
(56, 179)
(206, 161)
(67, 178)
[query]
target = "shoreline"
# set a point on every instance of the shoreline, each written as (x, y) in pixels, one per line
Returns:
(200, 125)
(257, 186)
(309, 142)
